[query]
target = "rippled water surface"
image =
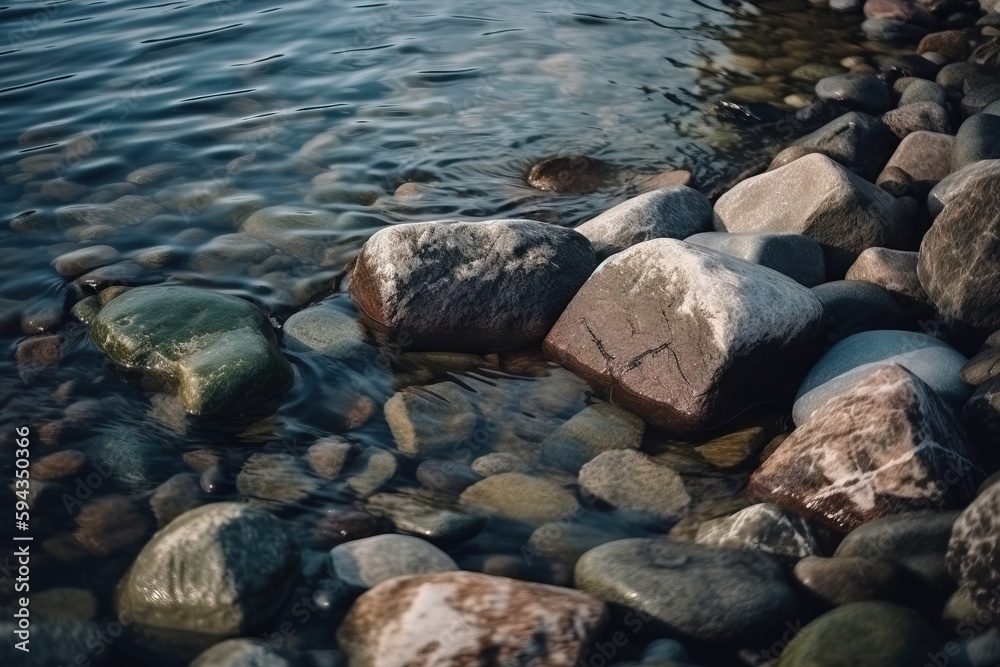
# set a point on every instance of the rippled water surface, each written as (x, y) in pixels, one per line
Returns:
(170, 123)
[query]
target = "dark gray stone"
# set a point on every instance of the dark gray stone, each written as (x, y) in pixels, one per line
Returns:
(366, 563)
(704, 593)
(864, 92)
(761, 527)
(860, 142)
(797, 256)
(885, 446)
(977, 139)
(686, 346)
(889, 30)
(845, 579)
(469, 285)
(896, 272)
(854, 306)
(926, 116)
(979, 99)
(922, 90)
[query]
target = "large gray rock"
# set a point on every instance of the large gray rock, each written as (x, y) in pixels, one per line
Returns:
(925, 157)
(930, 359)
(896, 272)
(672, 213)
(796, 256)
(219, 352)
(859, 142)
(706, 594)
(816, 197)
(974, 549)
(959, 264)
(761, 527)
(221, 569)
(687, 337)
(593, 430)
(956, 183)
(469, 285)
(977, 139)
(887, 445)
(859, 91)
(366, 563)
(630, 480)
(457, 618)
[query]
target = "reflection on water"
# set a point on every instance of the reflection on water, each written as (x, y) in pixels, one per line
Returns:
(159, 129)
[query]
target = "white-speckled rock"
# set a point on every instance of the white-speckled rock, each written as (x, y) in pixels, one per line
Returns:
(761, 527)
(887, 445)
(687, 337)
(671, 213)
(464, 618)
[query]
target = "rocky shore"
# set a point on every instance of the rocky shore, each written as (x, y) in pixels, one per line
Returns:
(742, 425)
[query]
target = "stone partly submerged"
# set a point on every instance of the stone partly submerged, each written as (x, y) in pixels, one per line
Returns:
(687, 337)
(218, 570)
(959, 263)
(466, 618)
(471, 286)
(885, 445)
(816, 197)
(218, 352)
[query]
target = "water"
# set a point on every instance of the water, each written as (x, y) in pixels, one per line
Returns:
(329, 106)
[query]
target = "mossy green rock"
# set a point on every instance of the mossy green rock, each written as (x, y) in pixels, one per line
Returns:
(861, 634)
(219, 351)
(218, 570)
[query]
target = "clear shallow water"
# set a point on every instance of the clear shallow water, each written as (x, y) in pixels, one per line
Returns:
(331, 106)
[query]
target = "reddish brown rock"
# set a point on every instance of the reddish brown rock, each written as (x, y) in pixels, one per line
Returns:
(685, 336)
(572, 174)
(896, 272)
(924, 156)
(39, 351)
(109, 523)
(62, 464)
(915, 117)
(886, 446)
(469, 286)
(466, 618)
(951, 43)
(898, 10)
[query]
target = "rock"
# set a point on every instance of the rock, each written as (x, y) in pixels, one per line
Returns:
(469, 286)
(698, 592)
(125, 273)
(496, 463)
(950, 43)
(896, 272)
(959, 264)
(854, 306)
(565, 541)
(328, 456)
(953, 75)
(595, 429)
(128, 461)
(366, 563)
(573, 174)
(986, 54)
(219, 350)
(65, 603)
(885, 446)
(762, 527)
(245, 653)
(672, 213)
(86, 309)
(897, 10)
(454, 618)
(122, 212)
(734, 449)
(818, 198)
(972, 550)
(345, 524)
(861, 634)
(107, 524)
(78, 262)
(977, 101)
(521, 497)
(846, 579)
(930, 359)
(311, 236)
(327, 331)
(426, 515)
(39, 351)
(174, 497)
(230, 253)
(889, 30)
(221, 569)
(630, 480)
(985, 366)
(55, 642)
(430, 419)
(370, 471)
(922, 90)
(977, 139)
(67, 463)
(926, 116)
(445, 476)
(925, 157)
(864, 92)
(796, 256)
(859, 142)
(981, 417)
(681, 347)
(275, 480)
(914, 543)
